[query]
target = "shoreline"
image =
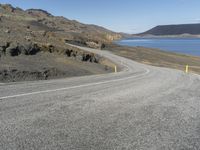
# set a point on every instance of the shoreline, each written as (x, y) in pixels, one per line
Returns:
(167, 36)
(189, 47)
(156, 57)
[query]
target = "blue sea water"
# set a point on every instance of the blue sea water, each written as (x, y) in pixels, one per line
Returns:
(189, 46)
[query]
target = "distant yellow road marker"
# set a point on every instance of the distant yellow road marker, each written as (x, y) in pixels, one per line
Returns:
(186, 68)
(115, 69)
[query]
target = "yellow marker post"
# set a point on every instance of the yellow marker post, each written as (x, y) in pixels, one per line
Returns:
(115, 69)
(186, 68)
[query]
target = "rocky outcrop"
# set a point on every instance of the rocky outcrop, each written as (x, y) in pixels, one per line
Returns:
(93, 44)
(38, 13)
(112, 37)
(15, 49)
(82, 56)
(7, 7)
(90, 58)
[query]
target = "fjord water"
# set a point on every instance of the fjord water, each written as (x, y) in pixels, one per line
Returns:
(189, 46)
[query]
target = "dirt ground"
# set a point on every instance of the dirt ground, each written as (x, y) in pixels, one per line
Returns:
(45, 66)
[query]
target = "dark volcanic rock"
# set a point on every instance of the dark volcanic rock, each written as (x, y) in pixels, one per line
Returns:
(68, 52)
(15, 49)
(90, 58)
(12, 50)
(31, 49)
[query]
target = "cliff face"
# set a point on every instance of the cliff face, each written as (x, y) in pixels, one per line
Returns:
(192, 29)
(112, 37)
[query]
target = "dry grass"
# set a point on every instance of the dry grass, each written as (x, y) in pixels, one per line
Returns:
(156, 57)
(108, 64)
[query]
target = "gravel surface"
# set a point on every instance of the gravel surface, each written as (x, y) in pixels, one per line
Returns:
(141, 107)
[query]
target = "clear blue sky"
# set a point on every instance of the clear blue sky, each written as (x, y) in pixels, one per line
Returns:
(129, 16)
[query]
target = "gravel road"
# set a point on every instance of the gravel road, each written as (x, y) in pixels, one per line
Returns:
(142, 107)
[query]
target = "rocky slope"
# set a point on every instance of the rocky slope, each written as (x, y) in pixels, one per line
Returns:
(34, 32)
(40, 26)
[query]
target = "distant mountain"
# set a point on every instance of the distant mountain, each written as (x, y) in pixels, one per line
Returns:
(191, 29)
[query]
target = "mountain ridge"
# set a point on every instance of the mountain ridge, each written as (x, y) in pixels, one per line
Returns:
(176, 29)
(72, 29)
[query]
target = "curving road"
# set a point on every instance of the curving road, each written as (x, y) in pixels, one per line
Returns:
(141, 107)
